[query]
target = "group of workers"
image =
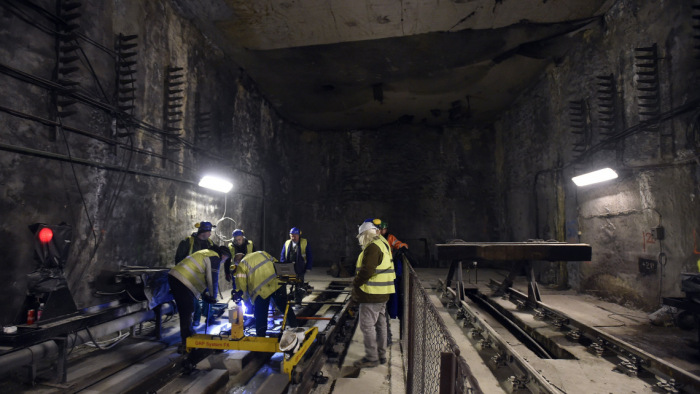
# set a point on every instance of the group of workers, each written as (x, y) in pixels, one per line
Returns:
(196, 274)
(198, 262)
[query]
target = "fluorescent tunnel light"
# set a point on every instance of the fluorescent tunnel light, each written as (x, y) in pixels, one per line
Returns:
(605, 174)
(214, 183)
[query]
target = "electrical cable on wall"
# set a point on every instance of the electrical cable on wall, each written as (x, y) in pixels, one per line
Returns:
(77, 183)
(623, 213)
(106, 140)
(225, 229)
(32, 14)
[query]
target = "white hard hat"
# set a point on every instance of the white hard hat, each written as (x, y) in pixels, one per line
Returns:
(366, 226)
(291, 339)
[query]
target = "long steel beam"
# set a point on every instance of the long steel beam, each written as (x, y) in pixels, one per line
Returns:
(514, 251)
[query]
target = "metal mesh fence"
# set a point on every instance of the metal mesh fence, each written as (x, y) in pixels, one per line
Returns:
(432, 358)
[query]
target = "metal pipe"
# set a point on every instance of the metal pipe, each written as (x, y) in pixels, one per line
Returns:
(109, 327)
(28, 355)
(49, 349)
(90, 163)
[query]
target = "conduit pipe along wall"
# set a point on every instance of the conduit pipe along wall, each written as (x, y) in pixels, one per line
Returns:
(105, 166)
(20, 358)
(49, 349)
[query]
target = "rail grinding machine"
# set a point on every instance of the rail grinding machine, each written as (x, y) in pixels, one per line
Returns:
(294, 342)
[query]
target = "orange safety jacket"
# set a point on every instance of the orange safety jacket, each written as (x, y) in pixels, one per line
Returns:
(395, 243)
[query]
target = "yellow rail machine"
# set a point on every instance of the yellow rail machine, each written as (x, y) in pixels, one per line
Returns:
(294, 343)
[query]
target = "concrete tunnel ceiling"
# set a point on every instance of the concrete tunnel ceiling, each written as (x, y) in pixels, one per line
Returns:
(362, 64)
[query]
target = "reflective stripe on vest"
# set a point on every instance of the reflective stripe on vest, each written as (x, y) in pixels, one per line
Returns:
(388, 251)
(382, 282)
(192, 270)
(253, 266)
(256, 275)
(257, 288)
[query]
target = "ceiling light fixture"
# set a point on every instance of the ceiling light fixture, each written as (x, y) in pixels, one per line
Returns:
(215, 183)
(605, 174)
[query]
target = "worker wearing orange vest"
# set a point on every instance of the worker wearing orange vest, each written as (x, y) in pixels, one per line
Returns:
(394, 242)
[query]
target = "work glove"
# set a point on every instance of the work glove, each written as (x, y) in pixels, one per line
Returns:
(208, 299)
(236, 295)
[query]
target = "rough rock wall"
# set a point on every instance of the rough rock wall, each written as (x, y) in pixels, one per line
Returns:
(567, 125)
(124, 178)
(429, 184)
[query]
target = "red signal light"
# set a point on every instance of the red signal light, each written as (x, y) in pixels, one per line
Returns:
(45, 235)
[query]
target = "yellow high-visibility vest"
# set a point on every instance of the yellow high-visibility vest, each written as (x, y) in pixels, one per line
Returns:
(191, 239)
(302, 245)
(195, 272)
(249, 248)
(255, 275)
(382, 282)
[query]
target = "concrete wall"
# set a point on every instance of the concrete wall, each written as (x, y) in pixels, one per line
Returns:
(429, 184)
(657, 162)
(130, 198)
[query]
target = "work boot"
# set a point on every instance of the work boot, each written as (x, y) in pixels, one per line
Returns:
(365, 363)
(382, 360)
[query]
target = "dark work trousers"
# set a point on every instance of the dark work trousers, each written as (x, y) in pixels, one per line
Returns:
(197, 311)
(184, 299)
(279, 298)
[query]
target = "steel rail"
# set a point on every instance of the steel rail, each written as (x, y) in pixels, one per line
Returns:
(304, 374)
(521, 335)
(649, 362)
(505, 354)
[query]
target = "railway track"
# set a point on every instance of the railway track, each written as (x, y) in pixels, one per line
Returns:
(141, 364)
(537, 349)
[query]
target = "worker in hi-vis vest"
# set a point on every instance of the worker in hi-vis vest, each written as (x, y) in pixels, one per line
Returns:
(373, 283)
(196, 275)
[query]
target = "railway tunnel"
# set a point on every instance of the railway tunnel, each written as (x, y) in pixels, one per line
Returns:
(477, 131)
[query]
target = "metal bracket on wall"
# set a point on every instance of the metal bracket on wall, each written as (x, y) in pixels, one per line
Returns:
(578, 121)
(202, 119)
(67, 57)
(126, 82)
(607, 106)
(646, 67)
(172, 112)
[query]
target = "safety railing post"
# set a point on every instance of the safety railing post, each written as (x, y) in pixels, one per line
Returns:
(411, 335)
(448, 372)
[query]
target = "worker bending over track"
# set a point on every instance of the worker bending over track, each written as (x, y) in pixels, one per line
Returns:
(256, 280)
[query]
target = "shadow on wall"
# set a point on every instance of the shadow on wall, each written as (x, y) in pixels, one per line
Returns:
(613, 289)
